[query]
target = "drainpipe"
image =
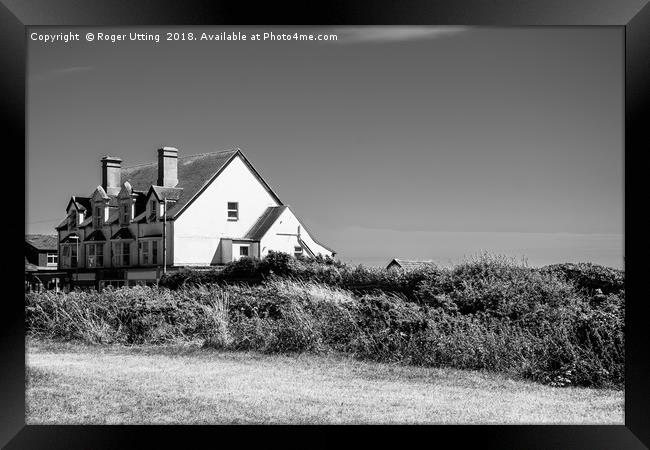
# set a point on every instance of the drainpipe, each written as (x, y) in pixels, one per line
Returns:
(165, 237)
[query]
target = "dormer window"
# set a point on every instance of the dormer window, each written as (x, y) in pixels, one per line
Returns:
(72, 219)
(97, 219)
(153, 213)
(125, 213)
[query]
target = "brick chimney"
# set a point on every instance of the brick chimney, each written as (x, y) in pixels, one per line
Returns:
(111, 174)
(167, 166)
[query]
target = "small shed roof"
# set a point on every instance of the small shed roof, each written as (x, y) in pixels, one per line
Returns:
(409, 264)
(265, 221)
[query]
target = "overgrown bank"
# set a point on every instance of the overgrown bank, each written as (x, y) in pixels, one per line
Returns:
(561, 325)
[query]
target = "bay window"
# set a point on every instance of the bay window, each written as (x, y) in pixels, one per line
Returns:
(65, 256)
(94, 255)
(144, 248)
(122, 254)
(154, 252)
(148, 252)
(73, 255)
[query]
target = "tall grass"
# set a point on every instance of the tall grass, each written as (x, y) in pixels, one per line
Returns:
(487, 313)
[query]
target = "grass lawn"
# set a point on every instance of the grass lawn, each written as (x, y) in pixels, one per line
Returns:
(78, 384)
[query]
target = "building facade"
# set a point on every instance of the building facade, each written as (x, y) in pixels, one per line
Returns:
(199, 210)
(41, 262)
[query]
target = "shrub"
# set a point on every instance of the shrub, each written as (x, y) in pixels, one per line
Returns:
(589, 277)
(487, 314)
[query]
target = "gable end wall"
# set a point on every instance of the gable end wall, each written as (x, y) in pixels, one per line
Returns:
(199, 229)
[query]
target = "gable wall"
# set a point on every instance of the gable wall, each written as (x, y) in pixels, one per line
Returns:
(198, 230)
(288, 223)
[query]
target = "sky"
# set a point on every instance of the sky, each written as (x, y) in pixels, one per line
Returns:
(413, 142)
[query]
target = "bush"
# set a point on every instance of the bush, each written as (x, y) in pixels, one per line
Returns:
(486, 314)
(589, 277)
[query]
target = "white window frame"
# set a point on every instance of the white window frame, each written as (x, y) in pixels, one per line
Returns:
(52, 259)
(235, 210)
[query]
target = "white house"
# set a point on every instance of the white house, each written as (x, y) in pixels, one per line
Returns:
(209, 209)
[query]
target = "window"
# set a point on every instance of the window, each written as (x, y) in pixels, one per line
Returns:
(122, 255)
(233, 211)
(126, 215)
(154, 252)
(297, 251)
(65, 252)
(149, 252)
(243, 251)
(98, 217)
(153, 214)
(52, 259)
(73, 255)
(144, 247)
(72, 222)
(95, 255)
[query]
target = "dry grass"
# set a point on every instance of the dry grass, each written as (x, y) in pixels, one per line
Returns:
(75, 384)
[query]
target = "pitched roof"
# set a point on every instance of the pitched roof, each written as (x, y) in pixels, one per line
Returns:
(82, 203)
(42, 241)
(409, 264)
(265, 221)
(194, 174)
(63, 224)
(140, 218)
(167, 192)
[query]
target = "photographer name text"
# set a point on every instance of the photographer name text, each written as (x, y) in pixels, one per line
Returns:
(229, 36)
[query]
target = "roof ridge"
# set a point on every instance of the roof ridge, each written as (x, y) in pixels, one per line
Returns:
(186, 156)
(235, 149)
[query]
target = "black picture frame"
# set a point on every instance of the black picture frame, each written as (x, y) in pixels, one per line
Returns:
(632, 15)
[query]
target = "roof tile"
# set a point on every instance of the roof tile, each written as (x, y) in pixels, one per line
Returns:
(42, 241)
